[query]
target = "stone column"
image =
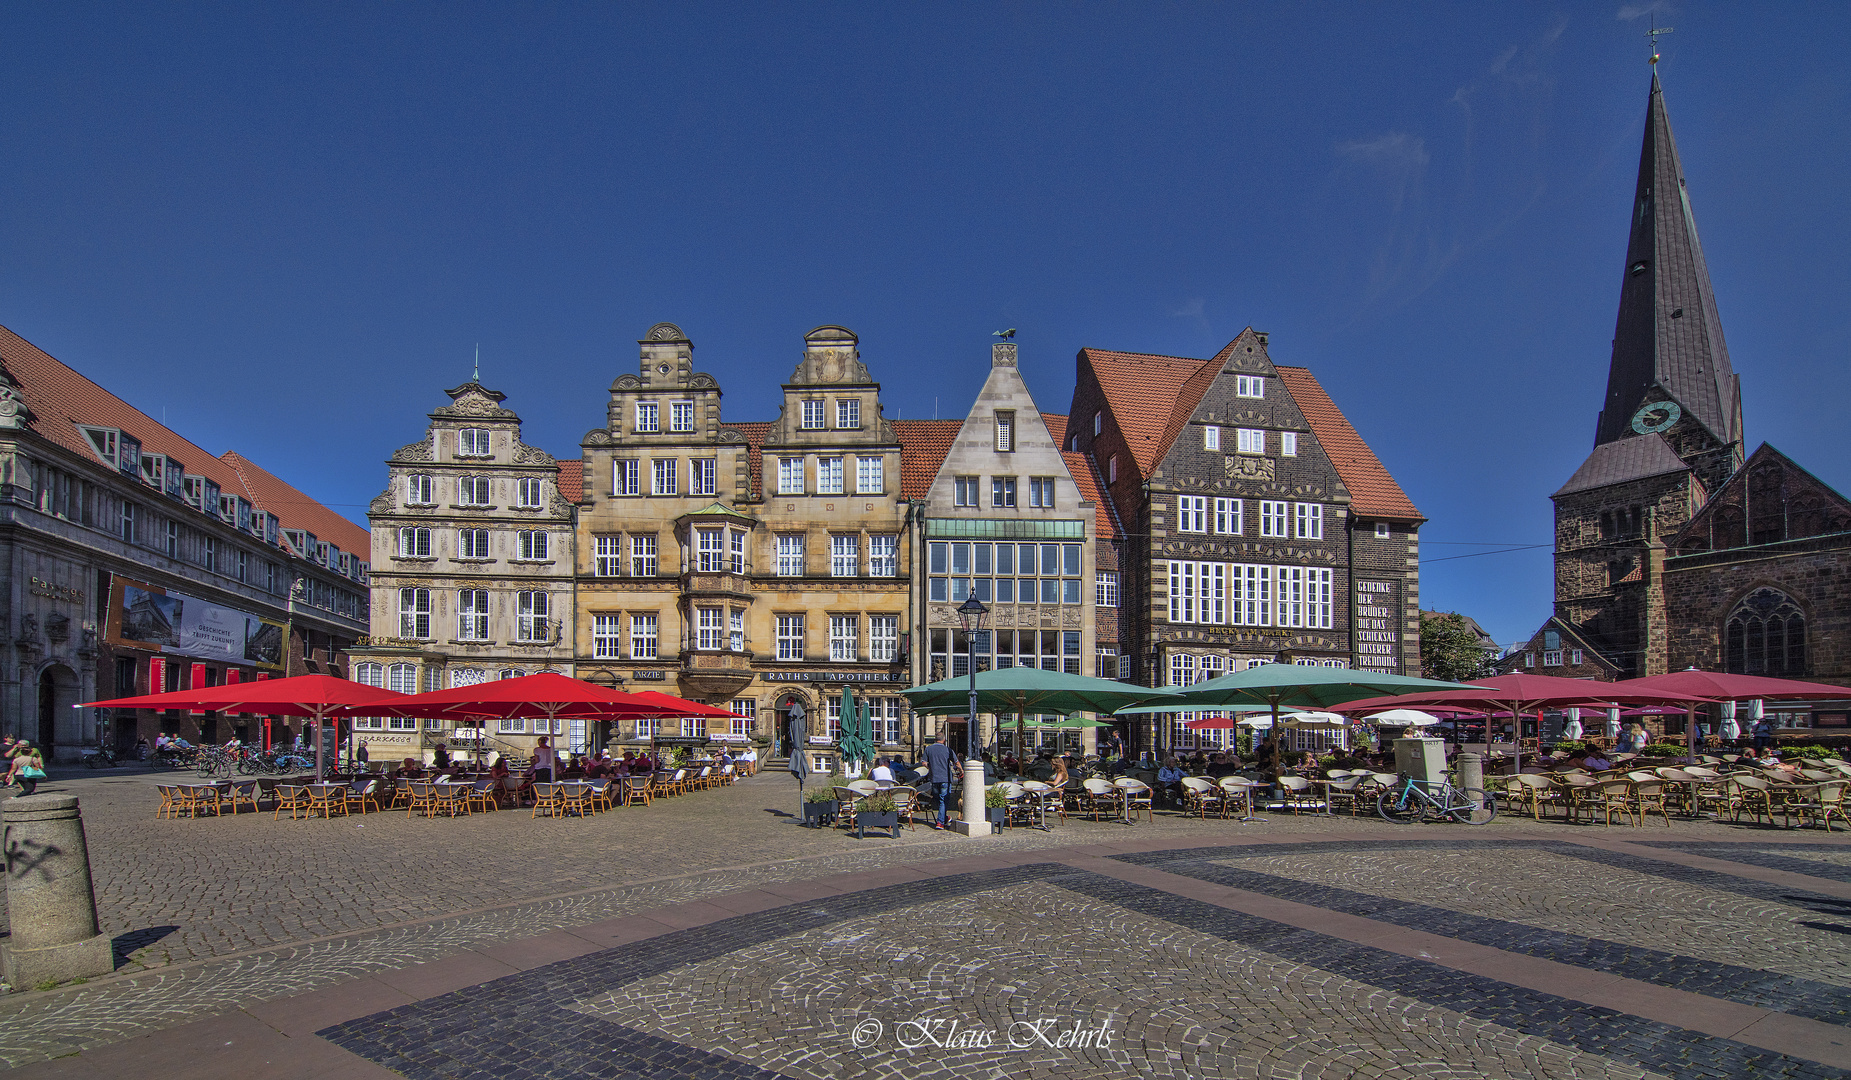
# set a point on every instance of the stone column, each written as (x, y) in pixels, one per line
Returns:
(51, 907)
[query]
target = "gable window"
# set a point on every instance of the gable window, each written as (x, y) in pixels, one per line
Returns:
(608, 560)
(527, 493)
(681, 416)
(642, 556)
(472, 491)
(790, 476)
(1228, 517)
(662, 477)
(829, 476)
(1211, 438)
(1002, 492)
(1249, 386)
(647, 417)
(414, 542)
(1192, 513)
(1111, 469)
(703, 475)
(790, 555)
(1272, 518)
(790, 637)
(1310, 521)
(625, 478)
(812, 414)
(472, 615)
(414, 613)
(418, 490)
(710, 550)
(472, 543)
(883, 556)
(848, 413)
(1552, 658)
(1381, 530)
(642, 637)
(1288, 444)
(472, 442)
(534, 547)
(1005, 431)
(965, 491)
(844, 555)
(1250, 440)
(606, 637)
(1098, 423)
(1576, 657)
(1041, 492)
(870, 476)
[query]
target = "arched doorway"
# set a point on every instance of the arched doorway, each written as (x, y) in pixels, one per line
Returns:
(57, 720)
(789, 706)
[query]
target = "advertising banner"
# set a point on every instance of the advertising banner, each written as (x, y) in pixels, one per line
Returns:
(143, 616)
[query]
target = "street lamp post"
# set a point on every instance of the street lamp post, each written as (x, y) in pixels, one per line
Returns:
(971, 613)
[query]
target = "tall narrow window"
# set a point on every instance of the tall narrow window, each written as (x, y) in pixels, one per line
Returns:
(883, 556)
(472, 442)
(790, 476)
(534, 547)
(844, 638)
(606, 637)
(1211, 438)
(736, 630)
(414, 613)
(812, 414)
(964, 491)
(642, 637)
(1228, 517)
(870, 476)
(1192, 513)
(646, 417)
(1310, 520)
(1041, 492)
(173, 539)
(681, 416)
(472, 615)
(1005, 431)
(608, 560)
(710, 550)
(736, 559)
(709, 626)
(1272, 518)
(1002, 492)
(844, 555)
(418, 490)
(703, 476)
(212, 554)
(662, 477)
(626, 477)
(883, 638)
(1288, 444)
(848, 413)
(527, 493)
(829, 476)
(472, 543)
(790, 637)
(1108, 589)
(642, 556)
(790, 555)
(128, 521)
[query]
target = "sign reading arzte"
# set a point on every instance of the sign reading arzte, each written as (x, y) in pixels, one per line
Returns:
(831, 676)
(1377, 635)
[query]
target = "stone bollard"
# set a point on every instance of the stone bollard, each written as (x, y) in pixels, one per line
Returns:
(51, 906)
(1470, 770)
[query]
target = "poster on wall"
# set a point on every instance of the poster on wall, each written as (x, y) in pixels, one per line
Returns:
(143, 616)
(1378, 637)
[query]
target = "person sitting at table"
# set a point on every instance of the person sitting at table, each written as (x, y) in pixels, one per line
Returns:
(411, 768)
(882, 774)
(1219, 766)
(642, 766)
(499, 769)
(1595, 761)
(1786, 770)
(1057, 775)
(440, 757)
(1170, 780)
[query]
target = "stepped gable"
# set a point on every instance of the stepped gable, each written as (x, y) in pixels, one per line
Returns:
(59, 399)
(1373, 492)
(924, 445)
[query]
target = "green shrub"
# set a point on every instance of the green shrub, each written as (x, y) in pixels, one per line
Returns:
(1664, 749)
(1571, 745)
(993, 797)
(878, 804)
(818, 793)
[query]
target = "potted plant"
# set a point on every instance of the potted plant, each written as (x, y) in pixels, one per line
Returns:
(878, 811)
(996, 807)
(819, 805)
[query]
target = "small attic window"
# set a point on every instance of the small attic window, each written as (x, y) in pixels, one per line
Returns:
(1638, 268)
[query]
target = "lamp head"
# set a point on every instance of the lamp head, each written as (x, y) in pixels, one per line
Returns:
(971, 613)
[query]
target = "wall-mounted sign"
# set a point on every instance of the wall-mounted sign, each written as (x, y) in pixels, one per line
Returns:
(832, 676)
(647, 676)
(143, 616)
(1378, 637)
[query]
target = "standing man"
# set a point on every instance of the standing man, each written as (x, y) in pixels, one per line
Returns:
(545, 761)
(942, 769)
(363, 755)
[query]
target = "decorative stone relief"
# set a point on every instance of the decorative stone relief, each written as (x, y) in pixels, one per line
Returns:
(532, 455)
(418, 451)
(381, 504)
(1248, 468)
(627, 382)
(58, 627)
(13, 410)
(597, 437)
(665, 331)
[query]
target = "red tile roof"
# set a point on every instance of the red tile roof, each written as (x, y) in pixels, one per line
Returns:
(1373, 493)
(755, 432)
(1080, 467)
(1151, 397)
(572, 480)
(61, 399)
(923, 447)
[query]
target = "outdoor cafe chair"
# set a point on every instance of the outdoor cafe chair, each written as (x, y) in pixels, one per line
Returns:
(1615, 796)
(482, 795)
(362, 794)
(171, 801)
(578, 797)
(1295, 791)
(1822, 804)
(636, 790)
(1346, 791)
(846, 798)
(1016, 806)
(905, 801)
(1745, 792)
(1237, 789)
(1202, 795)
(1045, 798)
(1579, 792)
(242, 791)
(1137, 796)
(1101, 796)
(604, 795)
(548, 800)
(1649, 795)
(326, 800)
(419, 797)
(1818, 775)
(293, 798)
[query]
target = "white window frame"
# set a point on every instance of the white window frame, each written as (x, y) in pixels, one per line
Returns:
(710, 550)
(418, 490)
(607, 557)
(848, 414)
(883, 638)
(883, 555)
(626, 477)
(1041, 492)
(1308, 521)
(606, 637)
(681, 416)
(790, 476)
(648, 418)
(790, 555)
(535, 546)
(1002, 493)
(1230, 517)
(966, 490)
(736, 550)
(414, 542)
(472, 443)
(1552, 658)
(472, 544)
(529, 493)
(1005, 431)
(1275, 519)
(472, 491)
(790, 637)
(736, 630)
(1250, 440)
(1211, 437)
(703, 476)
(1250, 386)
(643, 556)
(645, 639)
(662, 477)
(1288, 444)
(829, 476)
(870, 476)
(709, 627)
(844, 638)
(844, 555)
(1107, 588)
(472, 615)
(414, 614)
(1382, 531)
(813, 415)
(1192, 513)
(1198, 592)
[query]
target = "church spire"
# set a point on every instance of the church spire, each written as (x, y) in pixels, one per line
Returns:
(1667, 343)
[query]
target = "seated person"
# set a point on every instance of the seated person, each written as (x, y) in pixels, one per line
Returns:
(1041, 768)
(1057, 774)
(902, 772)
(1595, 762)
(1170, 779)
(882, 773)
(1219, 766)
(499, 769)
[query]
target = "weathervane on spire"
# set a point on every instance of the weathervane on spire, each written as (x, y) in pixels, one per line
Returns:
(1652, 34)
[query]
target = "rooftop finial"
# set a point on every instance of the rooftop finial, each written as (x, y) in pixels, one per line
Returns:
(1652, 35)
(477, 377)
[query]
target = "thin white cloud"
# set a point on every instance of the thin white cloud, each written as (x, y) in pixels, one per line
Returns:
(1629, 12)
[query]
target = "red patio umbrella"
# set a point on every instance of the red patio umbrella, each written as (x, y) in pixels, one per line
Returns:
(1721, 686)
(547, 696)
(670, 705)
(320, 697)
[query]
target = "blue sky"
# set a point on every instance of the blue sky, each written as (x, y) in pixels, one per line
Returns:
(286, 228)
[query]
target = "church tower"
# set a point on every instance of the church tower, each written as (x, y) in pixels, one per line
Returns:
(1670, 429)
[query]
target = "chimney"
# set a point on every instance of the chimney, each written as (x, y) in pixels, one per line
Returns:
(1002, 354)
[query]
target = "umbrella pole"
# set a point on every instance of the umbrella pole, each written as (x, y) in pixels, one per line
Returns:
(321, 747)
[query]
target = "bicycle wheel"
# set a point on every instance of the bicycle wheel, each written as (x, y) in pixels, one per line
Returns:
(1399, 807)
(203, 767)
(1481, 808)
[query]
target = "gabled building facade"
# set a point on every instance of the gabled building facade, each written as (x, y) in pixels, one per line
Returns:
(134, 562)
(1005, 522)
(1259, 526)
(473, 575)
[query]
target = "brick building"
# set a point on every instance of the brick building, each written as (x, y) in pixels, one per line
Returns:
(1671, 549)
(1255, 524)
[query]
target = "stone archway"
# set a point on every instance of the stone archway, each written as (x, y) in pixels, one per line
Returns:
(57, 721)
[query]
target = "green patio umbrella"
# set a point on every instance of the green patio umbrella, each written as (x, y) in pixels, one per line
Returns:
(1072, 722)
(1025, 691)
(854, 744)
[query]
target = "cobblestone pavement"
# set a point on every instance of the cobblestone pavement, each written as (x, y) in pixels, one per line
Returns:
(222, 915)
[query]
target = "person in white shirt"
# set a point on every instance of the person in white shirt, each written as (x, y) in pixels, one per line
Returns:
(882, 774)
(545, 761)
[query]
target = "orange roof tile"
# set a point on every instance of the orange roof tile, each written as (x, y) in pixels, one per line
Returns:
(1151, 397)
(923, 447)
(61, 399)
(1080, 467)
(755, 432)
(572, 480)
(1373, 493)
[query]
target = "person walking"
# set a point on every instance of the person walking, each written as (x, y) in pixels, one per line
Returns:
(362, 755)
(942, 769)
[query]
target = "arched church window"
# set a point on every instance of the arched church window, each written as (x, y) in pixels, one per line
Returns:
(1727, 529)
(1765, 635)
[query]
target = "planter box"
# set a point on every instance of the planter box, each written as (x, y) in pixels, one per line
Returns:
(818, 813)
(879, 819)
(997, 816)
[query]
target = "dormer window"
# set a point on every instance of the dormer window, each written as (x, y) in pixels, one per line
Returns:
(646, 420)
(472, 442)
(681, 416)
(812, 414)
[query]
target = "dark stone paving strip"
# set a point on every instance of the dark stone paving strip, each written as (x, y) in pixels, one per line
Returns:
(518, 1025)
(1589, 1028)
(1744, 854)
(1748, 986)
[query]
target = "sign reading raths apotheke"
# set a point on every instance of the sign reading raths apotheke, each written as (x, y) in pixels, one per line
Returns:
(143, 616)
(831, 676)
(1378, 629)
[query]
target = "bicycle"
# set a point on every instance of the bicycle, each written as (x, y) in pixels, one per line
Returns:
(102, 757)
(1411, 802)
